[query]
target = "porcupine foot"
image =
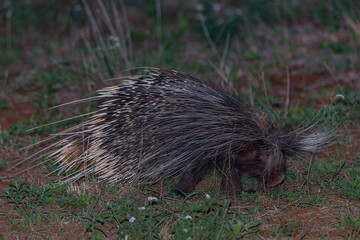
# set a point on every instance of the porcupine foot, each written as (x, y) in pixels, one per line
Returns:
(188, 182)
(231, 181)
(234, 184)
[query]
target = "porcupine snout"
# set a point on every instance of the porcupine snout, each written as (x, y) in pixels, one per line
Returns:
(275, 170)
(278, 179)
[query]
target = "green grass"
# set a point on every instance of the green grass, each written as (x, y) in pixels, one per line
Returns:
(351, 221)
(132, 215)
(3, 164)
(137, 214)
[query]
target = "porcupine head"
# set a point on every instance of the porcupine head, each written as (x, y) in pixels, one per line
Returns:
(263, 157)
(165, 123)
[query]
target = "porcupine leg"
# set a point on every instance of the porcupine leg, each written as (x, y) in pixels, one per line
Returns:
(231, 181)
(188, 181)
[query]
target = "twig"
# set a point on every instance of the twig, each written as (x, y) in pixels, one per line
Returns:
(128, 32)
(287, 92)
(225, 52)
(8, 30)
(266, 94)
(111, 27)
(297, 170)
(207, 36)
(308, 173)
(333, 76)
(218, 71)
(158, 20)
(251, 94)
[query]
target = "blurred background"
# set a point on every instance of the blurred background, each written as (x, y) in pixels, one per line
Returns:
(53, 52)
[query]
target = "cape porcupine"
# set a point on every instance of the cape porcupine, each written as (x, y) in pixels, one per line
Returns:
(166, 123)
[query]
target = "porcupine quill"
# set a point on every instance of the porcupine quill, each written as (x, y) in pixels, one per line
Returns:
(165, 123)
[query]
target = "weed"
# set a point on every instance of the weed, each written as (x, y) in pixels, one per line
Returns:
(351, 221)
(336, 47)
(350, 188)
(3, 164)
(4, 105)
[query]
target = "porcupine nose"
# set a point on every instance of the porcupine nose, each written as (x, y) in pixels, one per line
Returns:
(278, 180)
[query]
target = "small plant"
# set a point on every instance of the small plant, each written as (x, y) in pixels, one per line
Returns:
(351, 221)
(350, 188)
(4, 105)
(3, 164)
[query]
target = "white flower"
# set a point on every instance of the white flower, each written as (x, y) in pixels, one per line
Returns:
(340, 96)
(152, 199)
(216, 7)
(185, 230)
(78, 7)
(239, 11)
(141, 208)
(207, 195)
(132, 219)
(199, 7)
(8, 13)
(113, 38)
(188, 217)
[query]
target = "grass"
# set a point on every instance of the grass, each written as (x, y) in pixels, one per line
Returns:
(3, 164)
(112, 210)
(4, 105)
(243, 46)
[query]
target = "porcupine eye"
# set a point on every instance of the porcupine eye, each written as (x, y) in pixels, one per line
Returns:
(258, 157)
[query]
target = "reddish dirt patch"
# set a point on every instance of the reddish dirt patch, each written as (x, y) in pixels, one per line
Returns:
(13, 227)
(310, 223)
(21, 110)
(318, 86)
(21, 167)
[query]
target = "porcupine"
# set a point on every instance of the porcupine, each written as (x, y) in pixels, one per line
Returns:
(165, 123)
